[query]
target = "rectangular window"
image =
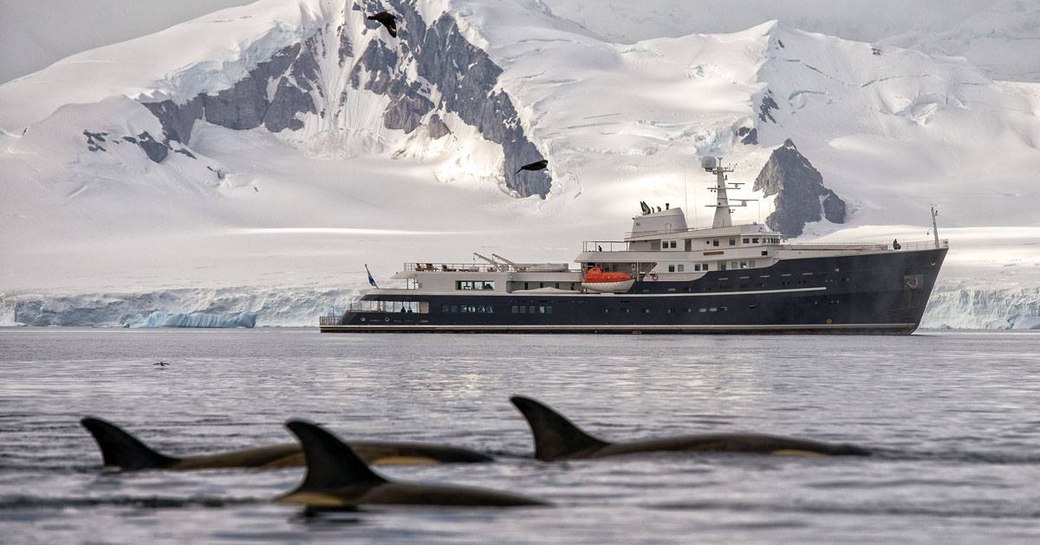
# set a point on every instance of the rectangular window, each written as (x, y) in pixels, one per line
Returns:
(745, 241)
(681, 267)
(671, 268)
(715, 242)
(755, 240)
(732, 242)
(475, 285)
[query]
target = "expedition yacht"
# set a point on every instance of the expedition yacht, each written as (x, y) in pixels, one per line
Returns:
(665, 277)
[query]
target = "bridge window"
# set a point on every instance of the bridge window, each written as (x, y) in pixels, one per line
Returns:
(475, 284)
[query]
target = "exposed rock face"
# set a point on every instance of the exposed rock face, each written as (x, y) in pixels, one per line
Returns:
(766, 107)
(156, 151)
(426, 71)
(801, 196)
(748, 136)
(437, 127)
(246, 105)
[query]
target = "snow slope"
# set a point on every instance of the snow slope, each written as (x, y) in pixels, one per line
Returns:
(301, 211)
(34, 35)
(1001, 37)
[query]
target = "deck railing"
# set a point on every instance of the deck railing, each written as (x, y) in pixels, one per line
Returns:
(487, 267)
(604, 246)
(328, 320)
(911, 245)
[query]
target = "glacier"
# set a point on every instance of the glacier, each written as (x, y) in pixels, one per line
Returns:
(226, 308)
(960, 307)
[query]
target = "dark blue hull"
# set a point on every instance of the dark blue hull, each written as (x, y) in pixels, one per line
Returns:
(882, 293)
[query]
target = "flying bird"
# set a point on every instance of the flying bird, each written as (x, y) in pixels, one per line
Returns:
(537, 165)
(388, 20)
(161, 363)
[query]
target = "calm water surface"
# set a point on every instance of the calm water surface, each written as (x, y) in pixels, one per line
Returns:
(953, 417)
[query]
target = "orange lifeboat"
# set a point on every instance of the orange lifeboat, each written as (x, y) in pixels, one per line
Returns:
(606, 282)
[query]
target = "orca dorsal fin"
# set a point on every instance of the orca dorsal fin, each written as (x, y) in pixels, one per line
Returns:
(330, 462)
(122, 450)
(555, 437)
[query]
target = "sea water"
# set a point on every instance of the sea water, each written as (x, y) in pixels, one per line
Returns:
(953, 420)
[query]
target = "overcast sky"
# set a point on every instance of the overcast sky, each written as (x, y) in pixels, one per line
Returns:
(36, 33)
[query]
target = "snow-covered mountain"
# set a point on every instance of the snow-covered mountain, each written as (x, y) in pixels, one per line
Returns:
(280, 145)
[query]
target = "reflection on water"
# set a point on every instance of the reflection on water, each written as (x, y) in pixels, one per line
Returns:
(953, 418)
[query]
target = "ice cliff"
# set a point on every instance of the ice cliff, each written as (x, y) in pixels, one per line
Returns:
(961, 307)
(227, 307)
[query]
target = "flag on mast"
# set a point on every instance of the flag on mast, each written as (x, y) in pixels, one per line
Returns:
(370, 279)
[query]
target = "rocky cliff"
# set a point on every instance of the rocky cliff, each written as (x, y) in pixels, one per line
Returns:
(800, 195)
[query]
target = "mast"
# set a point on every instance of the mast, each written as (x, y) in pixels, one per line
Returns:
(722, 207)
(935, 228)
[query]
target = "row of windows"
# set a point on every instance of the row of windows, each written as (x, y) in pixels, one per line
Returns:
(488, 309)
(419, 307)
(532, 309)
(468, 309)
(644, 310)
(745, 264)
(714, 242)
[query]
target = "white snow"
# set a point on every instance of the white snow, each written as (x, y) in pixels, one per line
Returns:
(295, 216)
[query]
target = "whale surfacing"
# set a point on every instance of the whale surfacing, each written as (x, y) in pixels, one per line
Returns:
(557, 438)
(338, 478)
(120, 449)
